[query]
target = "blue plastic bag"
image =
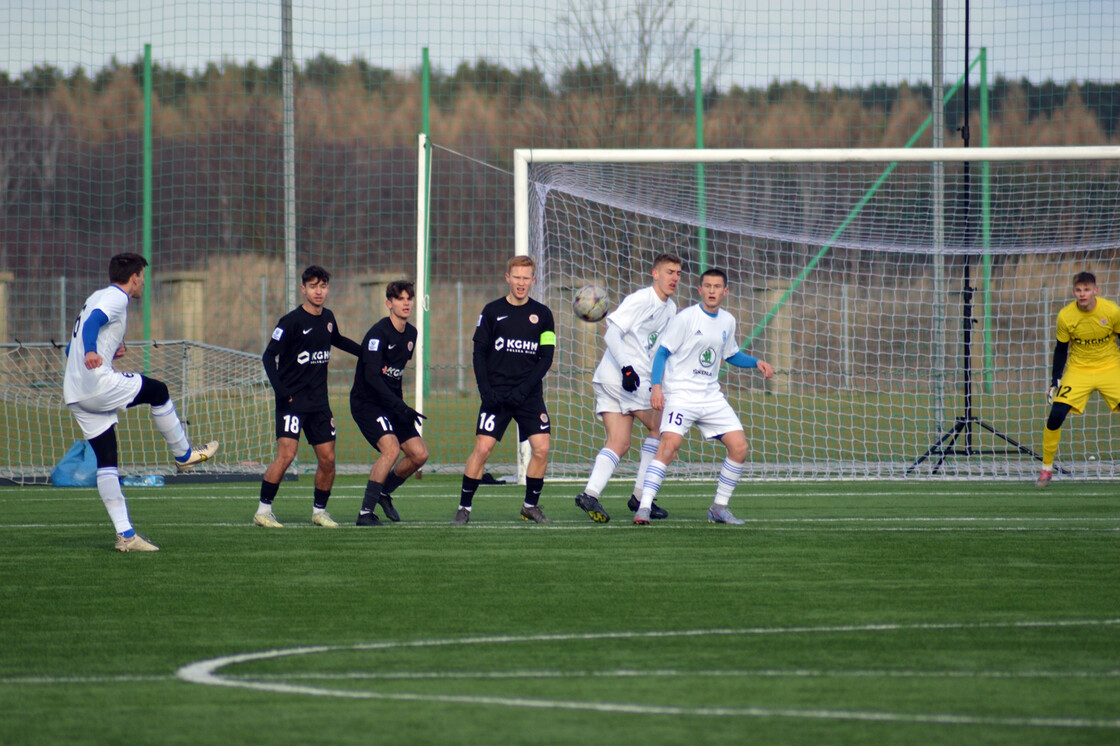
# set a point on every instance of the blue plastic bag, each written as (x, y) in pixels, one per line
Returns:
(78, 468)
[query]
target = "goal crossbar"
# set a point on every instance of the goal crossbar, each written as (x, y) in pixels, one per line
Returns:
(524, 157)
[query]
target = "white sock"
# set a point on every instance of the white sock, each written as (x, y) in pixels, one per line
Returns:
(168, 424)
(263, 508)
(649, 450)
(601, 472)
(109, 487)
(729, 475)
(317, 511)
(655, 473)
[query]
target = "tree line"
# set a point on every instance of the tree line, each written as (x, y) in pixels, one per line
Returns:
(71, 151)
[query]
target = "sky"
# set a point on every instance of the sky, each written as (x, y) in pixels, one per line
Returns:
(827, 42)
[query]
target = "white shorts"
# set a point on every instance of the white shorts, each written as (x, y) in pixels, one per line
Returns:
(613, 398)
(98, 413)
(713, 417)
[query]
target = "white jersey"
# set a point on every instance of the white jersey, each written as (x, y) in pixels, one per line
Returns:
(698, 344)
(79, 383)
(642, 318)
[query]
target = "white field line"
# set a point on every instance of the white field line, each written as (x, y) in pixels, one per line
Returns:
(677, 524)
(205, 672)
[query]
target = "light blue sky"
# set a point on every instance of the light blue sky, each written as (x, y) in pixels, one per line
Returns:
(832, 42)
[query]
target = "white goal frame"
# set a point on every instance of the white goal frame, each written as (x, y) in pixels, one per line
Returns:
(525, 157)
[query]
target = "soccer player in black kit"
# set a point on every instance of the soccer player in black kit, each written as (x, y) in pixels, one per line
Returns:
(514, 342)
(378, 406)
(296, 363)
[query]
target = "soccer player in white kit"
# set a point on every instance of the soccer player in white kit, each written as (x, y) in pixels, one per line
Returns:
(94, 391)
(622, 383)
(686, 389)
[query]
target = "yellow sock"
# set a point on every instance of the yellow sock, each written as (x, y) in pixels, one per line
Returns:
(1050, 440)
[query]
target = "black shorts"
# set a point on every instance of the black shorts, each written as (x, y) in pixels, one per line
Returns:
(317, 426)
(531, 417)
(375, 423)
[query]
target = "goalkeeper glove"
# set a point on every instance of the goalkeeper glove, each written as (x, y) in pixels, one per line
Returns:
(490, 402)
(1053, 390)
(630, 379)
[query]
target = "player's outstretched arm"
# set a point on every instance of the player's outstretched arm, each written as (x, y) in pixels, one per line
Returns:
(742, 360)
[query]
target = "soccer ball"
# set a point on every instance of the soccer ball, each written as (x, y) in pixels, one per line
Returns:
(591, 303)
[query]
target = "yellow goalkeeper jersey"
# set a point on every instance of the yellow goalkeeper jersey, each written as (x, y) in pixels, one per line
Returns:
(1092, 335)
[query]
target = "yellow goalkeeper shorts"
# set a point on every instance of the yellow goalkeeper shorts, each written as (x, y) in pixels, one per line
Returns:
(1077, 384)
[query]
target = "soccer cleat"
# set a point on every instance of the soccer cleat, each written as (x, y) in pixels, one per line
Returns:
(1044, 478)
(198, 455)
(386, 504)
(641, 516)
(720, 514)
(266, 520)
(136, 544)
(368, 519)
(462, 517)
(533, 513)
(656, 512)
(591, 506)
(323, 518)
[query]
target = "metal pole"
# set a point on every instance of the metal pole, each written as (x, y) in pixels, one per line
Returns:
(288, 94)
(459, 336)
(937, 188)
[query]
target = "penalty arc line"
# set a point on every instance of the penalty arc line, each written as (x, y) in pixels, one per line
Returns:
(205, 673)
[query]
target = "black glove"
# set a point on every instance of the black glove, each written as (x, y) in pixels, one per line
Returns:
(416, 416)
(406, 412)
(490, 402)
(630, 380)
(515, 398)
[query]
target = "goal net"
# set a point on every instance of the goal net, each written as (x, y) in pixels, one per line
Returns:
(906, 298)
(218, 393)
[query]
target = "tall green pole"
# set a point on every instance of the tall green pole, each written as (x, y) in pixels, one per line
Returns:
(146, 224)
(701, 197)
(986, 225)
(425, 102)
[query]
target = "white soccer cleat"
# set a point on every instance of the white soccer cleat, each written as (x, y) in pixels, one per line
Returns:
(135, 544)
(198, 455)
(266, 520)
(323, 518)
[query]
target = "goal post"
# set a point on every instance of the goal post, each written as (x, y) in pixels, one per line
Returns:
(838, 282)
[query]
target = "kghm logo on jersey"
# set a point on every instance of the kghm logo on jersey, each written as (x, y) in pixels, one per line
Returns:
(707, 357)
(319, 356)
(515, 345)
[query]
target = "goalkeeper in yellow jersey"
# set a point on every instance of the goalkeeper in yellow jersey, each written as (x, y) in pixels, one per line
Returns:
(1086, 359)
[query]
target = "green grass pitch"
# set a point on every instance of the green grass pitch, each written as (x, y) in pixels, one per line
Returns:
(841, 613)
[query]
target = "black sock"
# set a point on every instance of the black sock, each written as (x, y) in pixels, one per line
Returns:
(369, 499)
(268, 492)
(533, 488)
(321, 497)
(467, 493)
(392, 482)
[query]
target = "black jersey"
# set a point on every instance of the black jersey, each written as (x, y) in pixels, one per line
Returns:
(297, 356)
(385, 352)
(510, 340)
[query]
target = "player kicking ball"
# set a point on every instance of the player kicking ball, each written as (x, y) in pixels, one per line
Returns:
(94, 391)
(378, 406)
(621, 383)
(686, 389)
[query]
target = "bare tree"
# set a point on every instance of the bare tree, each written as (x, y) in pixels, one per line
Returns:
(647, 42)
